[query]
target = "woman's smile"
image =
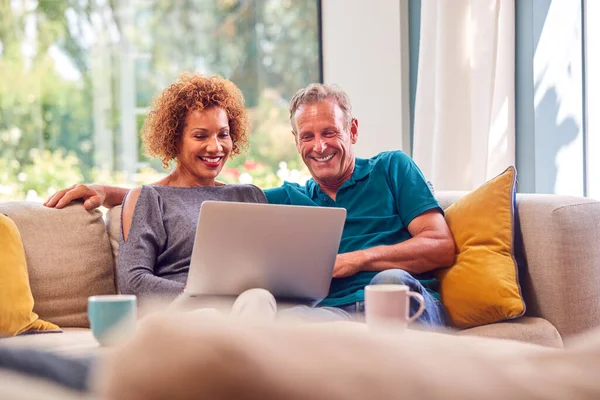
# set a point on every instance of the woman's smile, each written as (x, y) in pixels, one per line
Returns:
(211, 162)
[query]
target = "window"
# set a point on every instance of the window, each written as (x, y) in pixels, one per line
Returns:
(77, 78)
(592, 92)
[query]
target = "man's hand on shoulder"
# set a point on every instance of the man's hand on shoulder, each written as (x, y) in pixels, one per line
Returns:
(348, 264)
(93, 196)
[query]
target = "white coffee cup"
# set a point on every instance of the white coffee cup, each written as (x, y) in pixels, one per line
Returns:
(389, 305)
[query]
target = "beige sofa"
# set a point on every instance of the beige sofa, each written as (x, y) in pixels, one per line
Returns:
(71, 255)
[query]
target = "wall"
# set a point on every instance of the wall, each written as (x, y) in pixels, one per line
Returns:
(365, 51)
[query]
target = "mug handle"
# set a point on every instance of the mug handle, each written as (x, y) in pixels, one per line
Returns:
(421, 309)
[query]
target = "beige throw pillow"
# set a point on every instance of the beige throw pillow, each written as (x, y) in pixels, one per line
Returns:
(68, 258)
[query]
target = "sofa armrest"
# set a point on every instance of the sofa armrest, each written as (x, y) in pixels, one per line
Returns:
(561, 240)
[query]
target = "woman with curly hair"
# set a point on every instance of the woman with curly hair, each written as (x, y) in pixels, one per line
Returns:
(198, 122)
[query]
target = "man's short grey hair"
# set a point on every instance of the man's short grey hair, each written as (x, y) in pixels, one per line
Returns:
(317, 92)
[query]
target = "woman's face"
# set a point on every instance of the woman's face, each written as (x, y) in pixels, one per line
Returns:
(205, 145)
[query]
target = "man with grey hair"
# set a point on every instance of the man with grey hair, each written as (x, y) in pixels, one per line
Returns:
(395, 231)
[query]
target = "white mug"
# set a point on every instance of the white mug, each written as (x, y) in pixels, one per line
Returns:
(389, 304)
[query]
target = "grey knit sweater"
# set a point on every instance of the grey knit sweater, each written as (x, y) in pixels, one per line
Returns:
(155, 259)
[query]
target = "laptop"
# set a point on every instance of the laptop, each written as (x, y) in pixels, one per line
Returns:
(287, 250)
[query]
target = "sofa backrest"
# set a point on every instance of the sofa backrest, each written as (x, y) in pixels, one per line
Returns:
(71, 256)
(68, 258)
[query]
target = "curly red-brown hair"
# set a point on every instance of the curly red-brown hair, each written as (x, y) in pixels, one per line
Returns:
(164, 124)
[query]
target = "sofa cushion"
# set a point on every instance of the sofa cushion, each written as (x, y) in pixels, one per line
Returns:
(68, 258)
(482, 286)
(16, 300)
(525, 329)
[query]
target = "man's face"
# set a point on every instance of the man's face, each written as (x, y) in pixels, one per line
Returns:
(326, 141)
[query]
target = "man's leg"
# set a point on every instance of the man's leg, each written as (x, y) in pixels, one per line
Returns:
(434, 314)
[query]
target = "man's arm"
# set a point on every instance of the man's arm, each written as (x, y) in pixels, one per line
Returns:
(431, 247)
(93, 196)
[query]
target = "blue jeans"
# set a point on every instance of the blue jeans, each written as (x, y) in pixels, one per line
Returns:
(434, 315)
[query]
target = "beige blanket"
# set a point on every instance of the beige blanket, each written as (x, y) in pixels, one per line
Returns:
(178, 357)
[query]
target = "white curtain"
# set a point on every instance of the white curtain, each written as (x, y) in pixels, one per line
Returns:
(464, 109)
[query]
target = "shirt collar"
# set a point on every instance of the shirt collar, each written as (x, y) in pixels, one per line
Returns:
(361, 171)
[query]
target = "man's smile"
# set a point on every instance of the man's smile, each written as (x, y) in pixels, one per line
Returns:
(324, 158)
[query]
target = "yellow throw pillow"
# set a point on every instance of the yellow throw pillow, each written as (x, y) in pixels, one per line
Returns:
(482, 287)
(16, 300)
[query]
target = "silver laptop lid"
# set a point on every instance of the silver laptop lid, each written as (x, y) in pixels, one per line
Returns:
(288, 250)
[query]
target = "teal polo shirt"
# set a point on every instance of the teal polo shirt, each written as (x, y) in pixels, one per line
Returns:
(384, 194)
